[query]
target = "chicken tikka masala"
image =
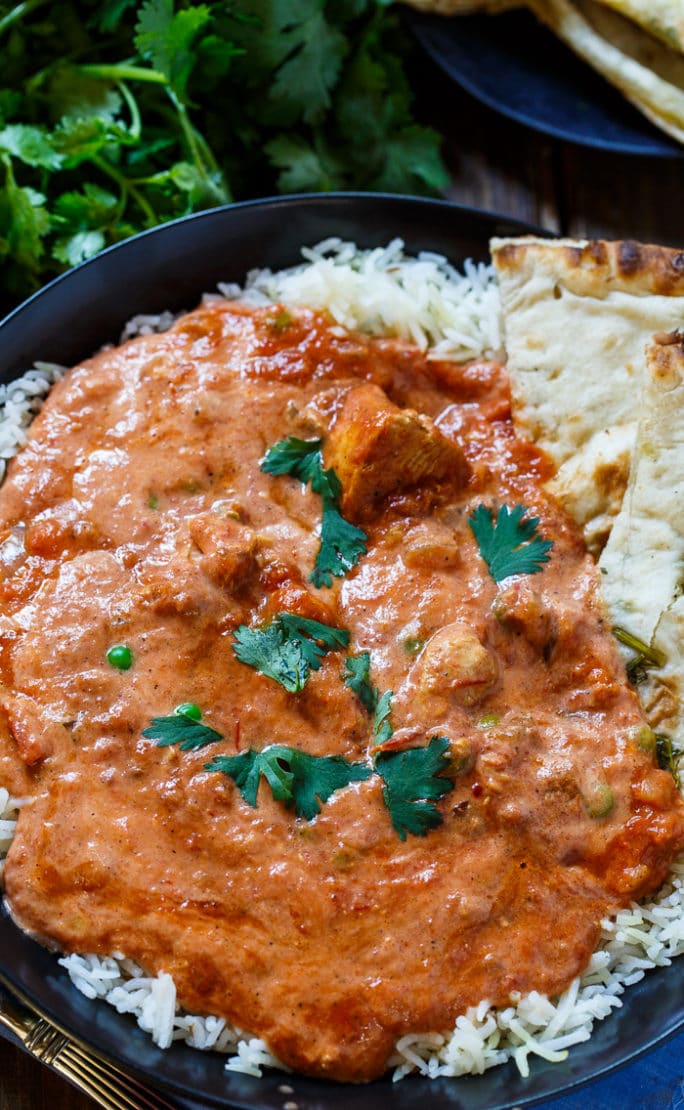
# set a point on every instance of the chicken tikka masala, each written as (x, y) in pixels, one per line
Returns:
(310, 687)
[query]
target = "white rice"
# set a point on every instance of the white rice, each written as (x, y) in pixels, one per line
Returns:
(456, 315)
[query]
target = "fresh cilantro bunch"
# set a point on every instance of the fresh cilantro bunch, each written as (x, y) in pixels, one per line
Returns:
(116, 115)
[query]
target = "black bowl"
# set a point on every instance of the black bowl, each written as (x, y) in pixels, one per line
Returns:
(170, 267)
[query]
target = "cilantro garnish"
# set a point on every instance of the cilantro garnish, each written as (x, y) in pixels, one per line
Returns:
(303, 782)
(645, 656)
(511, 544)
(382, 727)
(189, 733)
(288, 648)
(342, 544)
(412, 778)
(668, 757)
(356, 676)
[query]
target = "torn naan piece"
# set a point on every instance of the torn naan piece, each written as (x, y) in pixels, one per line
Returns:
(577, 317)
(647, 71)
(642, 564)
(662, 18)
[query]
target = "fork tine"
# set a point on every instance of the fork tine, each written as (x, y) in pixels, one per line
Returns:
(127, 1083)
(105, 1096)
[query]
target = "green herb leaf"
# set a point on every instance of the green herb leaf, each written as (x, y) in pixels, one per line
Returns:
(342, 544)
(303, 782)
(299, 457)
(167, 39)
(303, 84)
(511, 544)
(314, 638)
(30, 145)
(288, 648)
(668, 757)
(412, 779)
(356, 676)
(76, 248)
(382, 727)
(180, 729)
(269, 651)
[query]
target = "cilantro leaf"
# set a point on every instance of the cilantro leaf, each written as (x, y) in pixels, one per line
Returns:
(30, 145)
(669, 757)
(382, 727)
(412, 779)
(303, 84)
(244, 769)
(314, 638)
(303, 782)
(269, 651)
(342, 544)
(316, 778)
(288, 648)
(92, 207)
(189, 734)
(167, 38)
(76, 248)
(303, 167)
(511, 544)
(356, 676)
(24, 222)
(299, 457)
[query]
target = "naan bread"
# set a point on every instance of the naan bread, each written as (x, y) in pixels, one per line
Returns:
(663, 18)
(646, 71)
(577, 317)
(643, 562)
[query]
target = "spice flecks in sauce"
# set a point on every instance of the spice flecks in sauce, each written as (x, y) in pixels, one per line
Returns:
(328, 938)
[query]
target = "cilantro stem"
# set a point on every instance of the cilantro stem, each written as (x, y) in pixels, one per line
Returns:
(135, 129)
(19, 12)
(127, 189)
(122, 72)
(200, 157)
(652, 655)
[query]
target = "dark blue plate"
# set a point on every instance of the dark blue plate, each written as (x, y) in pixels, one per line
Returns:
(170, 267)
(518, 67)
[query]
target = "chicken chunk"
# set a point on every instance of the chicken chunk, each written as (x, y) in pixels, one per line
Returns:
(521, 609)
(228, 548)
(377, 449)
(455, 664)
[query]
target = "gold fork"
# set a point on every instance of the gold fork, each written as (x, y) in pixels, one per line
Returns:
(109, 1087)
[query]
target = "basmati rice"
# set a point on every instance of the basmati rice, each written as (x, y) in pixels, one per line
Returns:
(455, 315)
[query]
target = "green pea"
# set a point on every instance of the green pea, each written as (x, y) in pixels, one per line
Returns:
(645, 738)
(121, 657)
(153, 501)
(488, 721)
(189, 709)
(413, 645)
(598, 800)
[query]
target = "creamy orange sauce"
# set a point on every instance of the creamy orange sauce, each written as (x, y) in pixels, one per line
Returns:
(147, 521)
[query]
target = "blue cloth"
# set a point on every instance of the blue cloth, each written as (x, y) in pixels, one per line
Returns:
(653, 1082)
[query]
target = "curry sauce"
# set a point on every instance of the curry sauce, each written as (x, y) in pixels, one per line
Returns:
(139, 514)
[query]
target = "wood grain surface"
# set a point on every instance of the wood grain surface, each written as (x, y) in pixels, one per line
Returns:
(498, 165)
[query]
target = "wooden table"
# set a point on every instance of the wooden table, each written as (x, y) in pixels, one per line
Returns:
(502, 166)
